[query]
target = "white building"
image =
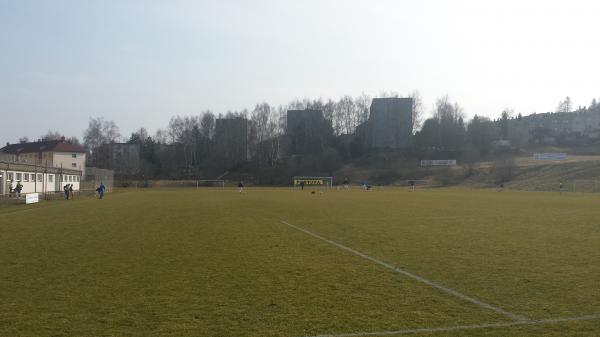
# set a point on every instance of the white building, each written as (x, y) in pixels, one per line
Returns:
(36, 179)
(53, 153)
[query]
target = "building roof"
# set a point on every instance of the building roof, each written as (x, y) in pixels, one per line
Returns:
(42, 146)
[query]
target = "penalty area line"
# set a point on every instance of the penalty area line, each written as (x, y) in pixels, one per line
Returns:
(464, 327)
(411, 275)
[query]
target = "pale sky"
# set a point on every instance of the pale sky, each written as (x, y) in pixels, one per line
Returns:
(141, 62)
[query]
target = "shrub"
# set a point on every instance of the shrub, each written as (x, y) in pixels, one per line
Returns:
(503, 170)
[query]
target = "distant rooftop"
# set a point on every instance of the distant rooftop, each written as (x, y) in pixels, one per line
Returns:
(42, 146)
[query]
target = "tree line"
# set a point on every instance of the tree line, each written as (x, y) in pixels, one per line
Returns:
(186, 146)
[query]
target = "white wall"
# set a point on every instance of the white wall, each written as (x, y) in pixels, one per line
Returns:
(67, 161)
(70, 179)
(42, 186)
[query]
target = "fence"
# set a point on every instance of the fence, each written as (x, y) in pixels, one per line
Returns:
(13, 198)
(94, 176)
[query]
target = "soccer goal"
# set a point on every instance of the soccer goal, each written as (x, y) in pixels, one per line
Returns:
(312, 182)
(586, 186)
(415, 182)
(215, 183)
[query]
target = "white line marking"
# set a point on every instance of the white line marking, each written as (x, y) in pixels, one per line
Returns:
(413, 276)
(464, 327)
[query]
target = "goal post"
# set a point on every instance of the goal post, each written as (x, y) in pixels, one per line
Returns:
(415, 182)
(210, 183)
(312, 181)
(586, 185)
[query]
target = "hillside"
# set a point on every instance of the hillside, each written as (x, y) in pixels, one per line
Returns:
(577, 173)
(578, 176)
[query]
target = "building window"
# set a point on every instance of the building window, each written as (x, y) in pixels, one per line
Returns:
(74, 165)
(50, 178)
(25, 177)
(70, 179)
(40, 178)
(78, 178)
(10, 176)
(74, 155)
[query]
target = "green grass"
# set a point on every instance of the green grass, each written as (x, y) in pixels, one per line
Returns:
(217, 263)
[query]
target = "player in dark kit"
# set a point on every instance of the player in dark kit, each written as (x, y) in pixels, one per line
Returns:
(101, 189)
(560, 187)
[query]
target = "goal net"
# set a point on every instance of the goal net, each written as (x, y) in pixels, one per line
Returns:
(415, 182)
(586, 186)
(207, 183)
(312, 182)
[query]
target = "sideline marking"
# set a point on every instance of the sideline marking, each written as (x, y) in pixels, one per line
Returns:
(413, 276)
(464, 327)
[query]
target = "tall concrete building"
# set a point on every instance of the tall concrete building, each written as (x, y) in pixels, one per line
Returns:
(123, 158)
(307, 131)
(231, 138)
(390, 123)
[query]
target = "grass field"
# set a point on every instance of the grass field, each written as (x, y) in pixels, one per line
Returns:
(277, 262)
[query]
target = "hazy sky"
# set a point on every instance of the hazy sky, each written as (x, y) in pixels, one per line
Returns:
(142, 62)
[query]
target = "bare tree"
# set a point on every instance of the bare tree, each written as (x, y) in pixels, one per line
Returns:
(265, 134)
(299, 104)
(73, 140)
(161, 136)
(565, 106)
(316, 104)
(93, 136)
(417, 110)
(258, 132)
(507, 113)
(363, 104)
(111, 131)
(99, 132)
(186, 131)
(52, 135)
(329, 109)
(389, 94)
(261, 117)
(281, 115)
(207, 124)
(175, 129)
(345, 116)
(448, 122)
